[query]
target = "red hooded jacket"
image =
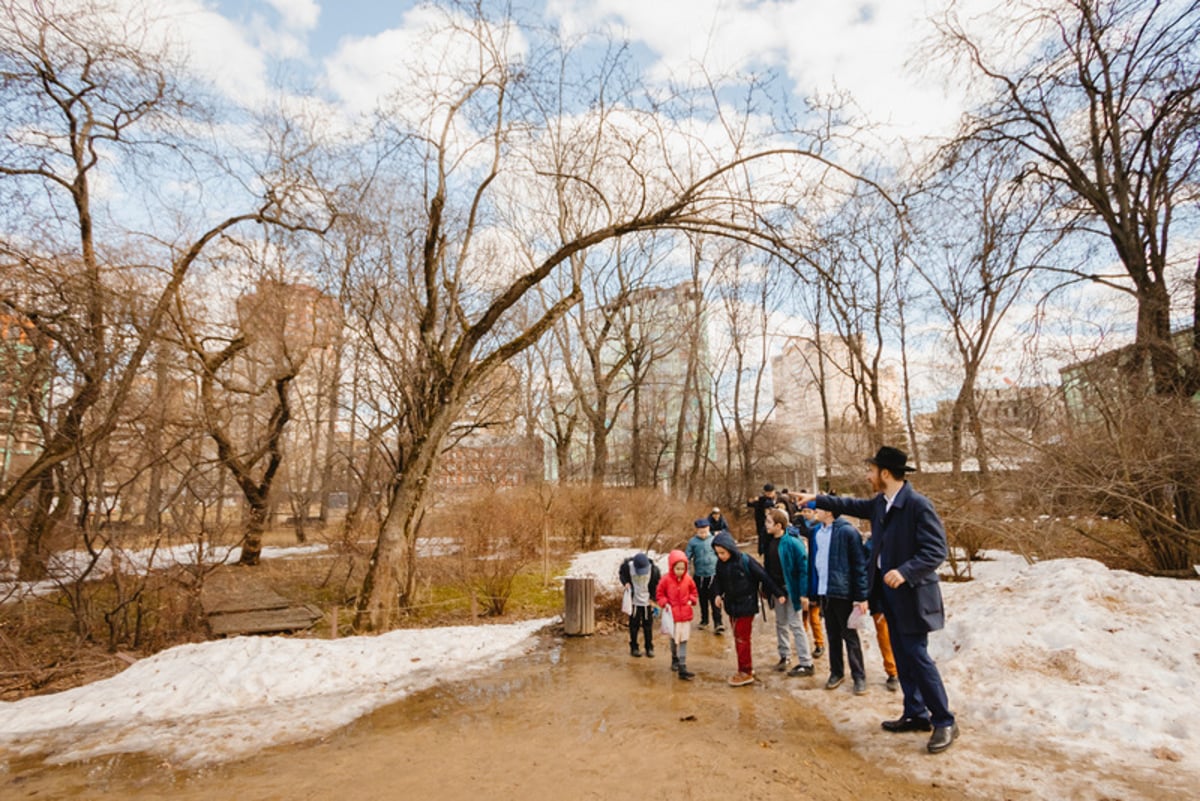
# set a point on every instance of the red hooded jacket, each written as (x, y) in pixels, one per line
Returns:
(680, 593)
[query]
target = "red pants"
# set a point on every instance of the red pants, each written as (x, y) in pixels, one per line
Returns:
(743, 628)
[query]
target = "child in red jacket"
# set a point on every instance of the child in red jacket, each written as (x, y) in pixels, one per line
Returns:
(678, 590)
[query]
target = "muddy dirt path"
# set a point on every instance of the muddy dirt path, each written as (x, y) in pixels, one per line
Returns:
(576, 719)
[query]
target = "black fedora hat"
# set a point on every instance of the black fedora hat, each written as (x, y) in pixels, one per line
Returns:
(893, 460)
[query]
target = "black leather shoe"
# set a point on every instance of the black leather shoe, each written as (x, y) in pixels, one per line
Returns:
(943, 737)
(907, 724)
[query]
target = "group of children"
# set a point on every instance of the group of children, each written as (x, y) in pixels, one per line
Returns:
(804, 571)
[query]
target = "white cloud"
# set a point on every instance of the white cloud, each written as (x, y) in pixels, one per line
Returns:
(863, 50)
(421, 60)
(297, 15)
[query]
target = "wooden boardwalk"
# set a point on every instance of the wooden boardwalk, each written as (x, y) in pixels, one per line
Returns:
(236, 602)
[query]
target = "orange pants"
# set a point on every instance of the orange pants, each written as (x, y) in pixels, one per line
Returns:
(885, 644)
(812, 622)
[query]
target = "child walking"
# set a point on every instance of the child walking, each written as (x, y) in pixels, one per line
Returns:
(739, 579)
(677, 590)
(640, 576)
(703, 561)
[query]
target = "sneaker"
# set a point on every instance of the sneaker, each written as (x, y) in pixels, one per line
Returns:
(703, 625)
(801, 670)
(650, 651)
(633, 651)
(818, 652)
(741, 679)
(720, 629)
(834, 682)
(675, 663)
(860, 686)
(893, 683)
(686, 674)
(781, 665)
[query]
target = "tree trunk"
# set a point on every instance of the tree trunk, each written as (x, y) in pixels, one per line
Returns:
(330, 434)
(391, 576)
(34, 556)
(599, 450)
(152, 517)
(957, 414)
(256, 524)
(637, 457)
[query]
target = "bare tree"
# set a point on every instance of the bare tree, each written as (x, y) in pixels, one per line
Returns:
(521, 165)
(1102, 98)
(858, 269)
(558, 415)
(598, 328)
(83, 91)
(746, 302)
(983, 238)
(695, 396)
(246, 385)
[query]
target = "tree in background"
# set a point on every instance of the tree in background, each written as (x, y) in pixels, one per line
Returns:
(247, 384)
(1101, 97)
(87, 96)
(522, 161)
(982, 238)
(858, 274)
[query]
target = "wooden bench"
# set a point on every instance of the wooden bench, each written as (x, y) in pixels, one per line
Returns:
(235, 602)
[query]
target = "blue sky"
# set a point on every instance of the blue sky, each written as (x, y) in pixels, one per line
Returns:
(335, 20)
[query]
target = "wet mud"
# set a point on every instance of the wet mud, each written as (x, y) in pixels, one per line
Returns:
(577, 718)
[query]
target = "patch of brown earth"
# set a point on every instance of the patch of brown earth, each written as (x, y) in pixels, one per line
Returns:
(577, 718)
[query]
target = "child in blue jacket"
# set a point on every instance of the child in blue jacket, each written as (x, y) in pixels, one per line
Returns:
(703, 560)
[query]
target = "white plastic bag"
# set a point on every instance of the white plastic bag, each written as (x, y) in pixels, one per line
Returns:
(667, 626)
(627, 601)
(858, 620)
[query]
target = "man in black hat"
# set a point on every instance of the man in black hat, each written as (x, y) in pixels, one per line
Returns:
(908, 542)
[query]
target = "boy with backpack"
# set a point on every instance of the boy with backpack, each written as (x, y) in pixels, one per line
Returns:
(740, 579)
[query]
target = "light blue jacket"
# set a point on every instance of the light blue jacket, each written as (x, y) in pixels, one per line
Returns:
(702, 557)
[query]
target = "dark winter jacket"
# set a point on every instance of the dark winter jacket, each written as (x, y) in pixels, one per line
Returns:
(847, 562)
(909, 538)
(740, 580)
(716, 524)
(761, 505)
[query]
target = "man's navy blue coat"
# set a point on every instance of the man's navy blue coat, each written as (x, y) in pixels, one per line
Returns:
(910, 538)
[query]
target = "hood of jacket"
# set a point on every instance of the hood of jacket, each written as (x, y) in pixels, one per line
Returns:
(675, 557)
(725, 540)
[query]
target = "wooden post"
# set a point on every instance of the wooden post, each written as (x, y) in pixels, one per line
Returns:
(333, 624)
(579, 616)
